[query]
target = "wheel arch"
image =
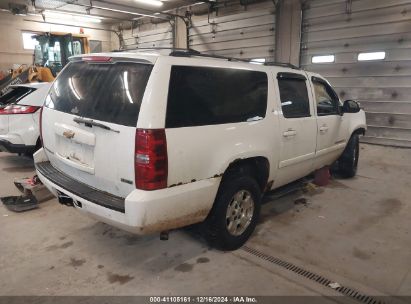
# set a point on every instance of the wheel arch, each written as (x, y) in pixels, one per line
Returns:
(359, 131)
(258, 167)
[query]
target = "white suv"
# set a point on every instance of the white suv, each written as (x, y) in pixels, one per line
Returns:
(149, 142)
(19, 117)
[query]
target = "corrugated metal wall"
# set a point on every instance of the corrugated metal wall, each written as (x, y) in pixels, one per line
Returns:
(161, 36)
(346, 28)
(248, 34)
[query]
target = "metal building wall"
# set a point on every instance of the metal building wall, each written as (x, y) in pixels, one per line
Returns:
(248, 32)
(158, 35)
(345, 28)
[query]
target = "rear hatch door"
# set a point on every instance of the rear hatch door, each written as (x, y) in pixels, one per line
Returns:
(89, 121)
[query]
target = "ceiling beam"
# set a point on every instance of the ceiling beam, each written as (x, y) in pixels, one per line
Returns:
(126, 9)
(94, 12)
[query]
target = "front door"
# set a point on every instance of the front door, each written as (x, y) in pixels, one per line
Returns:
(298, 128)
(331, 138)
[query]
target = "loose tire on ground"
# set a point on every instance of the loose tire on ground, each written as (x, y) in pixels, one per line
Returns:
(232, 205)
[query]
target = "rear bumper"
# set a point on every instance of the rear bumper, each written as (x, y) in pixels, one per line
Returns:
(141, 212)
(7, 146)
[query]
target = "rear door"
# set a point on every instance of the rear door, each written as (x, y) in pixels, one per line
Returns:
(298, 127)
(89, 121)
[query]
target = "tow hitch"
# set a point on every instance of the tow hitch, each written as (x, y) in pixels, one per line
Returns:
(65, 199)
(164, 235)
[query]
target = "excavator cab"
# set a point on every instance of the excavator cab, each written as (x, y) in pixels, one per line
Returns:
(54, 50)
(50, 56)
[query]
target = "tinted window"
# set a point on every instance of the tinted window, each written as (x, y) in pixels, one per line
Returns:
(107, 92)
(207, 96)
(294, 97)
(326, 99)
(15, 94)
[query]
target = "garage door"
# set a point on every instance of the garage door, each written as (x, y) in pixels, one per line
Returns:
(380, 30)
(248, 35)
(160, 37)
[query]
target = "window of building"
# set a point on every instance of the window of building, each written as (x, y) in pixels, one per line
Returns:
(28, 42)
(258, 60)
(371, 56)
(323, 59)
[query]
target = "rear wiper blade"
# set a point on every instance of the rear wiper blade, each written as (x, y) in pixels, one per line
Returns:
(90, 122)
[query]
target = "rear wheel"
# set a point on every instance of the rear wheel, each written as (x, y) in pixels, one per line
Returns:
(348, 162)
(235, 213)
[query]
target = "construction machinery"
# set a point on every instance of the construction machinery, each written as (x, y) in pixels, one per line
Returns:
(51, 54)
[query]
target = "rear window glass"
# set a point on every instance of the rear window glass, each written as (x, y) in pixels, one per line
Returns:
(207, 96)
(110, 92)
(14, 95)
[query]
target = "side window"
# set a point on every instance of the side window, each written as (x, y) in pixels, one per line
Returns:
(326, 99)
(200, 96)
(294, 96)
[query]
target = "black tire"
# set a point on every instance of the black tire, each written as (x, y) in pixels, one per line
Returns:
(215, 228)
(348, 161)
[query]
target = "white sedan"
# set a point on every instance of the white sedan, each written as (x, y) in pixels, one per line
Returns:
(19, 117)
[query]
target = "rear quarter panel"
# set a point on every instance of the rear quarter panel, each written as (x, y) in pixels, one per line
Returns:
(25, 127)
(204, 152)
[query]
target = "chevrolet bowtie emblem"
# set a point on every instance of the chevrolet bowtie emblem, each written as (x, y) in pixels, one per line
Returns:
(68, 134)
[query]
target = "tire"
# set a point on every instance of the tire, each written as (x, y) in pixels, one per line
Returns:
(348, 161)
(226, 230)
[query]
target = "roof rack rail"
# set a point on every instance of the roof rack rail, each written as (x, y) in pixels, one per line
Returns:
(282, 64)
(181, 52)
(191, 52)
(172, 49)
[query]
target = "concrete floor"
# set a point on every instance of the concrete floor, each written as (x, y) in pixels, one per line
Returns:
(356, 232)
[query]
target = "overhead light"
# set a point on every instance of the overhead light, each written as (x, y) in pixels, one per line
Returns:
(258, 61)
(72, 17)
(151, 2)
(371, 56)
(323, 59)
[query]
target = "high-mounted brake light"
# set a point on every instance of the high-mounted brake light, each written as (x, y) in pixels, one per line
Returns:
(18, 109)
(97, 58)
(151, 161)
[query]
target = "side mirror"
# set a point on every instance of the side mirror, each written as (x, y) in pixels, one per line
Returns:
(351, 106)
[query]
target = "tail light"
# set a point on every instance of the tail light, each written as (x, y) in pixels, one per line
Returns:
(41, 125)
(151, 163)
(18, 109)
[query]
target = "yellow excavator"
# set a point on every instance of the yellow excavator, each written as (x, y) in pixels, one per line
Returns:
(50, 56)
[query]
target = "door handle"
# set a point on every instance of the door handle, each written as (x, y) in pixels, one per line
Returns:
(290, 133)
(324, 129)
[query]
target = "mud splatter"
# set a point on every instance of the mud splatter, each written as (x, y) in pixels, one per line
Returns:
(386, 208)
(62, 246)
(66, 245)
(100, 266)
(117, 278)
(185, 267)
(131, 239)
(203, 260)
(76, 263)
(337, 185)
(360, 254)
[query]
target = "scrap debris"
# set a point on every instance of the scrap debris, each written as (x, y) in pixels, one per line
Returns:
(33, 192)
(334, 285)
(301, 201)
